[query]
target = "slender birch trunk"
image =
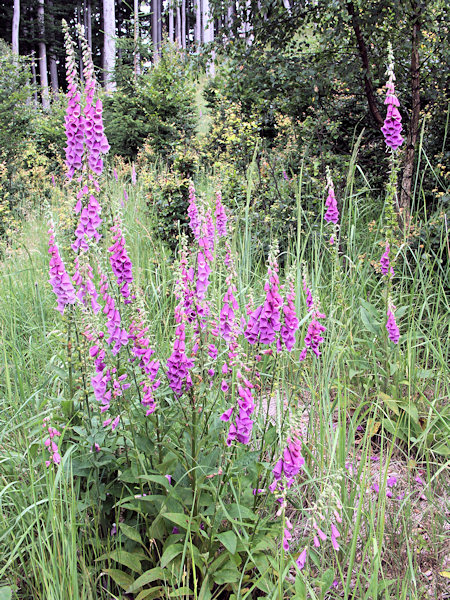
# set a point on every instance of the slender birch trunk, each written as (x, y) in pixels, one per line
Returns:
(183, 24)
(15, 27)
(198, 22)
(171, 24)
(109, 44)
(155, 30)
(43, 57)
(178, 27)
(137, 56)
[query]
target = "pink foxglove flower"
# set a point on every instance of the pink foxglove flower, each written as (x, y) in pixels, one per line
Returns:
(51, 444)
(315, 329)
(264, 323)
(332, 213)
(290, 464)
(193, 214)
(290, 321)
(59, 278)
(178, 364)
(392, 127)
(301, 560)
(120, 262)
(74, 120)
(386, 267)
(221, 216)
(391, 326)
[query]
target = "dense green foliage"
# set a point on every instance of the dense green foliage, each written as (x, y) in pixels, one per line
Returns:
(158, 107)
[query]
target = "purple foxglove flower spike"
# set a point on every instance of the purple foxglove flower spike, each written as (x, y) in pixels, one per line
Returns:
(392, 127)
(59, 278)
(194, 220)
(391, 325)
(291, 323)
(178, 364)
(221, 216)
(386, 267)
(120, 262)
(264, 322)
(315, 329)
(332, 213)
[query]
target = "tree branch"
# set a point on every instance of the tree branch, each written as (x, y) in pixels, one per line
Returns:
(365, 61)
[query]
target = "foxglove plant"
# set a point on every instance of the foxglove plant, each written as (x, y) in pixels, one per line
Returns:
(331, 214)
(391, 325)
(392, 127)
(59, 278)
(315, 329)
(221, 216)
(264, 323)
(386, 267)
(289, 317)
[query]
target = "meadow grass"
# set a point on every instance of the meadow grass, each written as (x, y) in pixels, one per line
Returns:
(363, 400)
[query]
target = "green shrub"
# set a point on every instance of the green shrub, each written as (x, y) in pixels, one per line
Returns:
(159, 107)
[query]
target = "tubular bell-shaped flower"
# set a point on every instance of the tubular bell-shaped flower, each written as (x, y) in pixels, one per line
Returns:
(290, 321)
(392, 127)
(391, 325)
(121, 264)
(332, 213)
(59, 278)
(315, 328)
(178, 364)
(221, 216)
(386, 267)
(264, 322)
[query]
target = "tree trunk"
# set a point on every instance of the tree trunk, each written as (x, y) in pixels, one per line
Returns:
(178, 28)
(109, 44)
(155, 30)
(205, 19)
(171, 24)
(159, 29)
(51, 51)
(183, 24)
(365, 62)
(89, 24)
(408, 169)
(43, 57)
(137, 56)
(15, 27)
(198, 22)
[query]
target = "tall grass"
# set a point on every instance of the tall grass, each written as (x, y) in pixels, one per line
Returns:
(51, 546)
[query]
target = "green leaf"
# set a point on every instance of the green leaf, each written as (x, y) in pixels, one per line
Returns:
(326, 580)
(229, 540)
(154, 592)
(369, 321)
(390, 403)
(147, 577)
(300, 589)
(263, 585)
(130, 532)
(124, 558)
(411, 410)
(123, 580)
(228, 574)
(181, 520)
(5, 593)
(205, 592)
(181, 592)
(170, 553)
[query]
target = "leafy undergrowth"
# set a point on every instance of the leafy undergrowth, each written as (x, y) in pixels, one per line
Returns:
(372, 417)
(202, 420)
